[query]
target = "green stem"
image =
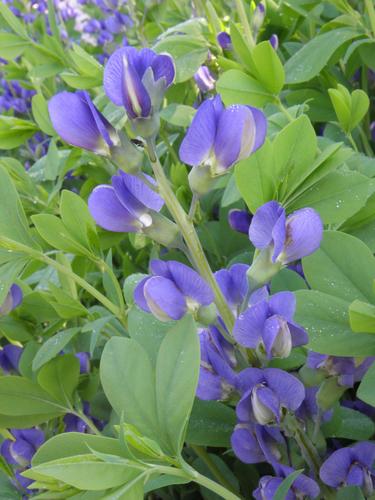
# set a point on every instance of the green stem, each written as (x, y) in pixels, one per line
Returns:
(205, 457)
(193, 475)
(365, 142)
(352, 142)
(284, 110)
(371, 14)
(16, 246)
(308, 451)
(87, 421)
(190, 236)
(245, 22)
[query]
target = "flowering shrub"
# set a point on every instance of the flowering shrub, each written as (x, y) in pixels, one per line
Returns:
(187, 305)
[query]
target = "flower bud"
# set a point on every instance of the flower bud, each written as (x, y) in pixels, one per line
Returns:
(258, 18)
(204, 80)
(274, 41)
(224, 40)
(263, 415)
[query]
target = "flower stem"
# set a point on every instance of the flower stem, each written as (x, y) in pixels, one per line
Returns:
(371, 14)
(205, 457)
(190, 236)
(87, 421)
(245, 22)
(191, 474)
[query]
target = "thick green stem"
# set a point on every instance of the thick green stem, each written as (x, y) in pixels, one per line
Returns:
(371, 14)
(245, 22)
(205, 457)
(193, 475)
(37, 255)
(190, 236)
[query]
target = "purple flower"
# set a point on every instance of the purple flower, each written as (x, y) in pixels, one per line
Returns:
(254, 443)
(302, 487)
(372, 130)
(233, 284)
(224, 40)
(216, 377)
(172, 291)
(9, 358)
(239, 220)
(21, 450)
(267, 325)
(351, 466)
(84, 361)
(78, 122)
(286, 238)
(267, 394)
(218, 138)
(336, 366)
(137, 80)
(309, 408)
(126, 206)
(12, 300)
(274, 41)
(204, 80)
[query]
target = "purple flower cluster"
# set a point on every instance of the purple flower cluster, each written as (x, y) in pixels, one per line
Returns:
(14, 98)
(19, 451)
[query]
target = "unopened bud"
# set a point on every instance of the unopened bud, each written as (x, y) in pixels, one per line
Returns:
(262, 414)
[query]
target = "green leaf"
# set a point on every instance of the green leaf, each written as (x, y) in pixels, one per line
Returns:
(178, 114)
(126, 361)
(343, 267)
(54, 232)
(70, 444)
(236, 87)
(350, 493)
(211, 424)
(282, 490)
(15, 131)
(177, 371)
(362, 317)
(337, 196)
(287, 279)
(360, 105)
(21, 397)
(329, 393)
(13, 222)
(255, 177)
(241, 48)
(53, 346)
(314, 56)
(294, 150)
(80, 81)
(366, 388)
(326, 320)
(341, 106)
(12, 21)
(270, 71)
(77, 219)
(188, 54)
(349, 424)
(85, 63)
(85, 472)
(12, 46)
(64, 304)
(59, 377)
(147, 331)
(39, 108)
